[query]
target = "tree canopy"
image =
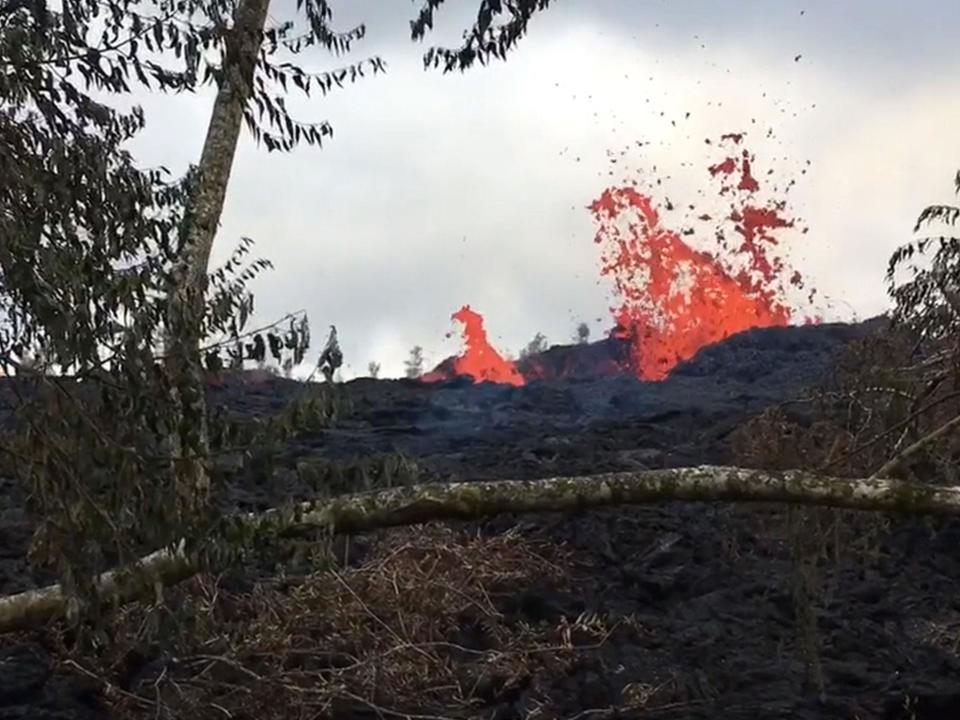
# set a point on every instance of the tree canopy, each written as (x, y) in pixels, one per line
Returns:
(107, 305)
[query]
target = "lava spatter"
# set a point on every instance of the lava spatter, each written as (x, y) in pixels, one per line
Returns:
(675, 299)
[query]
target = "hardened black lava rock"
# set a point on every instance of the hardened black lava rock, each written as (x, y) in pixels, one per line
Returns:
(704, 592)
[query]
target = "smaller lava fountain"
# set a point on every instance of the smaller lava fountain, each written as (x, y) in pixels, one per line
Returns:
(480, 360)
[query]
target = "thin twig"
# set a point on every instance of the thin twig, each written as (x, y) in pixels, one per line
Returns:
(892, 429)
(366, 608)
(895, 462)
(110, 687)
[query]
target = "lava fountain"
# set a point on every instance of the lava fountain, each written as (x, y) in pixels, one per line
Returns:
(675, 299)
(480, 360)
(672, 299)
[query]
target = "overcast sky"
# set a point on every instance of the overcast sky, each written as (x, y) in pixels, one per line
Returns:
(443, 190)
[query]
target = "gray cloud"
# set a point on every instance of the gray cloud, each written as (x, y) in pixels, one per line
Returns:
(438, 191)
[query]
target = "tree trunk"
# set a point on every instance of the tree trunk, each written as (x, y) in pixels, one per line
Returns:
(474, 500)
(189, 280)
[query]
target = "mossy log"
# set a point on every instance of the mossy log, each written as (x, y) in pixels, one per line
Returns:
(473, 500)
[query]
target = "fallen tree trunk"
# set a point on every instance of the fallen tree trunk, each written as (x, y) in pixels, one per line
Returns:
(472, 500)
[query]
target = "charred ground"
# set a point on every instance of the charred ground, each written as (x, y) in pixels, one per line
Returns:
(678, 611)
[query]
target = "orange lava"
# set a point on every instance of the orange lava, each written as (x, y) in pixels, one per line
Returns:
(672, 298)
(480, 360)
(675, 299)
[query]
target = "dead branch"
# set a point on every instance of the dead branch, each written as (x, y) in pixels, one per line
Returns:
(473, 500)
(894, 462)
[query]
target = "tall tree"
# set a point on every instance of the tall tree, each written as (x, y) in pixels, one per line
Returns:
(927, 304)
(105, 266)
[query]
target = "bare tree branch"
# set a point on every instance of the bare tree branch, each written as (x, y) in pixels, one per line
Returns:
(473, 500)
(894, 462)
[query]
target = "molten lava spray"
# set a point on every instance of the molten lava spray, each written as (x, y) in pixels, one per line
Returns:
(480, 359)
(675, 299)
